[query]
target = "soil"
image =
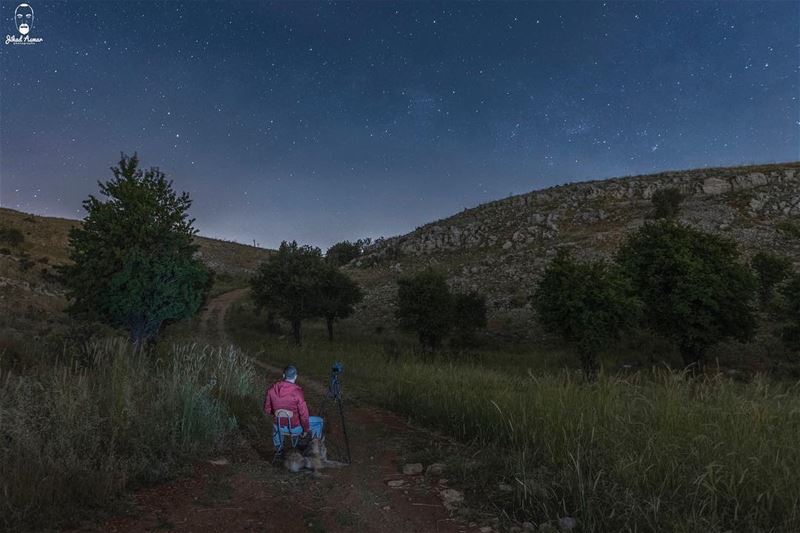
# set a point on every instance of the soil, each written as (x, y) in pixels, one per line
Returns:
(244, 491)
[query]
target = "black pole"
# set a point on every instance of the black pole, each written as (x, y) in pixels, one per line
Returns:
(344, 430)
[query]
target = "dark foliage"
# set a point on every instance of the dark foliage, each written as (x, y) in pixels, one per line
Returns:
(425, 307)
(343, 252)
(337, 297)
(693, 286)
(588, 304)
(667, 203)
(771, 270)
(469, 315)
(133, 264)
(11, 236)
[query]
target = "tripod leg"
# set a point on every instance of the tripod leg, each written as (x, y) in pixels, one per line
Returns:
(344, 430)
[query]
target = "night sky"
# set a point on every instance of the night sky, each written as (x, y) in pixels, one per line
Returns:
(325, 121)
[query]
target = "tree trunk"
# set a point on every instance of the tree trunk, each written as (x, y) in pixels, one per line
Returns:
(296, 332)
(693, 358)
(589, 362)
(329, 323)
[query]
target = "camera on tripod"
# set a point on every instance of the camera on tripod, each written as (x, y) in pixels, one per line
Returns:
(337, 368)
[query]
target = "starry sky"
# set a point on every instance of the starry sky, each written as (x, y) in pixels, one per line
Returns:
(327, 121)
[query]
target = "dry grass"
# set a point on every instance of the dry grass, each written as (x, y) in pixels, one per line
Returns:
(649, 451)
(73, 438)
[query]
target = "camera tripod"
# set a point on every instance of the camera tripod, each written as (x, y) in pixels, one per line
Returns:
(335, 394)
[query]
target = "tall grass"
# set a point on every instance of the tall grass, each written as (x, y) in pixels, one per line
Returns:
(74, 437)
(650, 451)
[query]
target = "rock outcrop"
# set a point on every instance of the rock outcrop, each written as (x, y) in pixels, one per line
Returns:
(500, 248)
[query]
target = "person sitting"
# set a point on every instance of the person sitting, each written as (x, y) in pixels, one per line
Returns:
(286, 394)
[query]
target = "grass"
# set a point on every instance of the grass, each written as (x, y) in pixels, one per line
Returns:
(649, 451)
(74, 437)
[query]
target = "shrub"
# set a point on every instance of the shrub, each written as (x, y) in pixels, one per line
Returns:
(771, 270)
(588, 304)
(11, 236)
(75, 438)
(425, 307)
(694, 289)
(667, 202)
(343, 252)
(469, 315)
(337, 297)
(790, 312)
(790, 227)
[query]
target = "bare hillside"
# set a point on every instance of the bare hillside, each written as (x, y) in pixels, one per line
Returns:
(500, 248)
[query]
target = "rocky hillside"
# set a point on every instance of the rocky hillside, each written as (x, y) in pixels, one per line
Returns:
(500, 248)
(32, 301)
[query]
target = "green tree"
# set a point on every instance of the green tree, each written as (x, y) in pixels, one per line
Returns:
(425, 307)
(469, 315)
(338, 297)
(289, 283)
(343, 252)
(790, 311)
(588, 304)
(667, 202)
(771, 270)
(695, 290)
(133, 256)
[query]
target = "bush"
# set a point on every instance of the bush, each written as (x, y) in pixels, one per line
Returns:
(11, 236)
(425, 307)
(343, 252)
(790, 312)
(693, 287)
(667, 202)
(469, 315)
(75, 438)
(771, 270)
(588, 304)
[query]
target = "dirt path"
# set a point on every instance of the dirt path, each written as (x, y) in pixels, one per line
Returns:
(245, 492)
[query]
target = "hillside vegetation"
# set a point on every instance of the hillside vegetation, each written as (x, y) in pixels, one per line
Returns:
(32, 300)
(501, 248)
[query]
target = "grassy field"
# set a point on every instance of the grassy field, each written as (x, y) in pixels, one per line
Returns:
(647, 451)
(79, 430)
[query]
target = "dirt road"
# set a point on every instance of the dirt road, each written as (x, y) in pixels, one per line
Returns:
(243, 491)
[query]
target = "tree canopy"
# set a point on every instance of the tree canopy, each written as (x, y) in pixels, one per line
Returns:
(693, 286)
(667, 202)
(588, 304)
(343, 252)
(338, 297)
(425, 307)
(133, 256)
(771, 270)
(289, 283)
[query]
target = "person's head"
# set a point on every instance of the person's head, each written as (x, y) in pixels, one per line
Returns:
(290, 373)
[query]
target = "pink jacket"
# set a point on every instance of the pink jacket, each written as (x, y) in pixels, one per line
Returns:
(287, 395)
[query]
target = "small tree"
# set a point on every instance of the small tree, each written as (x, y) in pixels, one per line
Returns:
(343, 252)
(337, 298)
(289, 284)
(425, 306)
(694, 289)
(133, 256)
(790, 311)
(588, 304)
(771, 270)
(469, 315)
(667, 202)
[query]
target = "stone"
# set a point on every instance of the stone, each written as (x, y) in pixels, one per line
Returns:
(485, 529)
(715, 186)
(451, 498)
(505, 487)
(436, 469)
(412, 469)
(567, 523)
(507, 245)
(528, 526)
(396, 483)
(219, 462)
